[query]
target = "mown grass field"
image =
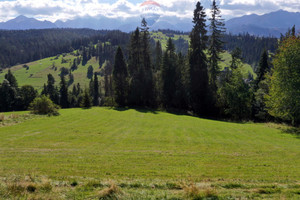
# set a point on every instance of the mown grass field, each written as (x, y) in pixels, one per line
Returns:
(139, 154)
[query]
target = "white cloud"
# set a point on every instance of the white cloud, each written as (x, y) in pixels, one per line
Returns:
(67, 9)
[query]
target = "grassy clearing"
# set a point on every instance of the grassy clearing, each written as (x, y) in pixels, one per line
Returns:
(146, 155)
(37, 73)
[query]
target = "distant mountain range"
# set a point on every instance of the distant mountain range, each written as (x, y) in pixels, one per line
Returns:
(271, 24)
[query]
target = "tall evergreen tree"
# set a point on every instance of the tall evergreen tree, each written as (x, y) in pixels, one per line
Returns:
(84, 56)
(86, 101)
(120, 79)
(51, 90)
(136, 72)
(64, 99)
(11, 79)
(215, 44)
(8, 97)
(96, 94)
(158, 56)
(168, 73)
(199, 86)
(146, 67)
(263, 68)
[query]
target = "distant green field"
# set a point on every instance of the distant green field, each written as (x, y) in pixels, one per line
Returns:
(37, 73)
(148, 155)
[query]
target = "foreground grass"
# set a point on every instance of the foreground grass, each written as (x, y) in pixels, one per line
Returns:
(146, 154)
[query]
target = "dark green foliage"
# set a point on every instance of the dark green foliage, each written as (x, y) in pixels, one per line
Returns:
(120, 79)
(27, 95)
(234, 96)
(63, 92)
(263, 68)
(146, 68)
(168, 73)
(84, 56)
(8, 97)
(11, 79)
(215, 45)
(90, 72)
(43, 106)
(236, 56)
(51, 90)
(199, 87)
(251, 45)
(64, 71)
(261, 89)
(86, 101)
(108, 89)
(158, 56)
(135, 70)
(96, 93)
(74, 65)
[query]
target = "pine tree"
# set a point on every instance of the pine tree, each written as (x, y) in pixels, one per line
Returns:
(135, 70)
(11, 79)
(158, 56)
(215, 45)
(146, 68)
(64, 100)
(96, 94)
(86, 101)
(51, 90)
(120, 79)
(168, 73)
(263, 68)
(84, 56)
(199, 86)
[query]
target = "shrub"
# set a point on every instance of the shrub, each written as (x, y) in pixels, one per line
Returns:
(44, 106)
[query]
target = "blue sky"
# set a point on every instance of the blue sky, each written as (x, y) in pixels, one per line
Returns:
(53, 10)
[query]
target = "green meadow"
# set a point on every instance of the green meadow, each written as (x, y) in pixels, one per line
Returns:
(106, 153)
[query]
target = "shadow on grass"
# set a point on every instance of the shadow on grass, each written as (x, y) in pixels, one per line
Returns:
(292, 130)
(177, 112)
(142, 110)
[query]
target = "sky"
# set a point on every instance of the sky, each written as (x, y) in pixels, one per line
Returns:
(53, 10)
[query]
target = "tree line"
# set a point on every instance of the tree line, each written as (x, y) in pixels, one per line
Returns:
(149, 77)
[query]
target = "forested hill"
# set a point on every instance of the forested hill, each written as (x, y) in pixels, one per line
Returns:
(17, 47)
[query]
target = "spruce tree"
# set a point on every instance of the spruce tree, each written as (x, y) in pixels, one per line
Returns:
(11, 79)
(263, 68)
(146, 73)
(168, 73)
(120, 79)
(86, 101)
(64, 100)
(199, 86)
(215, 45)
(136, 72)
(96, 94)
(158, 56)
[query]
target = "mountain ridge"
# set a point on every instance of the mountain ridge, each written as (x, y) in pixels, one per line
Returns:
(270, 24)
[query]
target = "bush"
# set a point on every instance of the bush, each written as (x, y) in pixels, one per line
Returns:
(44, 106)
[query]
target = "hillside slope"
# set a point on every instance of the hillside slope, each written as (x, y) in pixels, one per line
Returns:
(150, 147)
